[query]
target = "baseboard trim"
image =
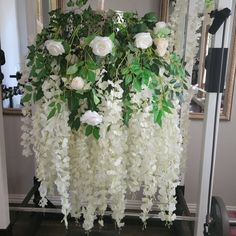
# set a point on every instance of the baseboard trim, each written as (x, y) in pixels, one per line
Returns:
(130, 204)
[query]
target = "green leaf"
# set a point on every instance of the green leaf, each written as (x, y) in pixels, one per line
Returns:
(168, 103)
(112, 37)
(137, 85)
(52, 104)
(39, 94)
(52, 113)
(66, 47)
(91, 76)
(125, 71)
(158, 117)
(72, 70)
(88, 130)
(128, 79)
(146, 75)
(155, 68)
(167, 109)
(96, 133)
(95, 98)
(58, 107)
(73, 100)
(150, 17)
(141, 27)
(91, 65)
(29, 88)
(26, 98)
(89, 39)
(70, 3)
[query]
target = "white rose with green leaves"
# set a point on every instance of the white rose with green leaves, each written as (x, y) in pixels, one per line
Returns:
(101, 46)
(91, 118)
(143, 40)
(77, 83)
(55, 48)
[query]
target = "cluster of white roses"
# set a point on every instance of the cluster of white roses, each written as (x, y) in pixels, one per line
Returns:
(102, 46)
(144, 40)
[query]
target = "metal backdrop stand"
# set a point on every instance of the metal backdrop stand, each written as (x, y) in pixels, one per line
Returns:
(216, 66)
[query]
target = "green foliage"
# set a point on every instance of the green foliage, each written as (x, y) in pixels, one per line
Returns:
(92, 130)
(136, 68)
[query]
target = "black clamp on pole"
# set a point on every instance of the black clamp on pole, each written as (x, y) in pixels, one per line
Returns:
(2, 62)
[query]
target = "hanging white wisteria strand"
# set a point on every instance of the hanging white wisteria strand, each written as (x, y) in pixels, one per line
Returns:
(106, 113)
(113, 147)
(186, 42)
(169, 160)
(178, 24)
(26, 138)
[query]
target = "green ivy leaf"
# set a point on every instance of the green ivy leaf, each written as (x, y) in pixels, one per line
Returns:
(72, 70)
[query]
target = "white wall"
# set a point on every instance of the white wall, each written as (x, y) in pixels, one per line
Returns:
(4, 204)
(21, 170)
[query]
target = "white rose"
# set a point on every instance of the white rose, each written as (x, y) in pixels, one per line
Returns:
(143, 40)
(77, 83)
(55, 48)
(162, 45)
(91, 118)
(101, 46)
(159, 25)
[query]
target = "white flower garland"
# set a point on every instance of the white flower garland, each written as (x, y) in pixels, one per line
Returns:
(154, 158)
(113, 149)
(191, 49)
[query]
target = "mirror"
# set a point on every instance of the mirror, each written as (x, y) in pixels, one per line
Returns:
(199, 71)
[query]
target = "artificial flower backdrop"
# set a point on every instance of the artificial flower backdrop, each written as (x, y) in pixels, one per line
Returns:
(106, 93)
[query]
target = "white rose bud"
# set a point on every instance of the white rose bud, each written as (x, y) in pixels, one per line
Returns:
(77, 83)
(72, 58)
(91, 118)
(162, 45)
(55, 48)
(143, 40)
(101, 46)
(159, 25)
